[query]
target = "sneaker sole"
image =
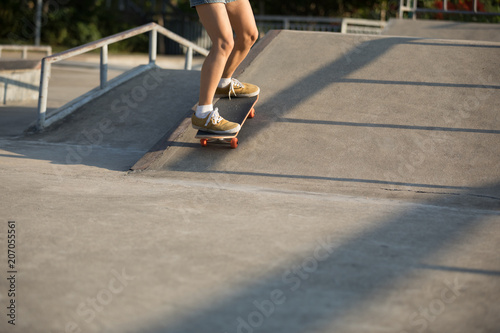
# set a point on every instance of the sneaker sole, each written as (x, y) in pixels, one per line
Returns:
(240, 95)
(231, 131)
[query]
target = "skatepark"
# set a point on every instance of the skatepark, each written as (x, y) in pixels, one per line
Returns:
(363, 197)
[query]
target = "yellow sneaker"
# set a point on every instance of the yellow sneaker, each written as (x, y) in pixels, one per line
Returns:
(237, 89)
(214, 123)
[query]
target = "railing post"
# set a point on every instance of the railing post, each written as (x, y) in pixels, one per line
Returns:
(25, 53)
(104, 66)
(343, 27)
(43, 90)
(153, 36)
(189, 59)
(286, 24)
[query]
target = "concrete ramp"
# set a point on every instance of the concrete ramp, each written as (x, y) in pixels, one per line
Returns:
(363, 197)
(372, 116)
(127, 120)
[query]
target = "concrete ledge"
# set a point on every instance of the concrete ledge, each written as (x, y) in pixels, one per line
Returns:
(19, 80)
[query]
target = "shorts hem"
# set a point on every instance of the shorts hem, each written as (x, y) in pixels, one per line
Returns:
(195, 3)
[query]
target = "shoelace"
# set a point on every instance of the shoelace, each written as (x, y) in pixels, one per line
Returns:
(215, 116)
(234, 83)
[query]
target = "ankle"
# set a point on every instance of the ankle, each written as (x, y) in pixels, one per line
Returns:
(224, 82)
(203, 110)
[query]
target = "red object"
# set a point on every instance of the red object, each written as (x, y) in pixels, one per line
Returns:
(234, 142)
(461, 5)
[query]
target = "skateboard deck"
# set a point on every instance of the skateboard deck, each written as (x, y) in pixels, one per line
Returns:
(236, 110)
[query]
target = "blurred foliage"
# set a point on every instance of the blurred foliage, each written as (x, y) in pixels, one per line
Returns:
(69, 23)
(462, 5)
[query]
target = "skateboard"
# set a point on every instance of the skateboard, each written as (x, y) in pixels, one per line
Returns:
(236, 110)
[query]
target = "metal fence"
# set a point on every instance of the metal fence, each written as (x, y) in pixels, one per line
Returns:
(411, 7)
(194, 31)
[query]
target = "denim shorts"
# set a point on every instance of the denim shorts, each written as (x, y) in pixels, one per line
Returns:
(195, 3)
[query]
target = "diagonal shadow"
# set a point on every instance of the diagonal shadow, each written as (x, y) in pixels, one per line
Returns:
(7, 81)
(393, 126)
(349, 274)
(461, 269)
(354, 180)
(357, 269)
(303, 89)
(426, 43)
(414, 83)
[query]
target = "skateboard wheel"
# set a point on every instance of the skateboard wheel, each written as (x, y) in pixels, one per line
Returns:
(234, 143)
(252, 113)
(203, 142)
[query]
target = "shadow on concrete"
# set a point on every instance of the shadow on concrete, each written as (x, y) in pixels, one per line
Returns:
(14, 119)
(414, 83)
(407, 127)
(112, 131)
(17, 83)
(350, 180)
(299, 92)
(147, 121)
(427, 43)
(460, 270)
(338, 284)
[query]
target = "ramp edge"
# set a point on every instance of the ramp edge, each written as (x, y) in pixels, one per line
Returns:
(159, 148)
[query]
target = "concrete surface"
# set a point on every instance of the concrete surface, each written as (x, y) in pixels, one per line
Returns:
(364, 197)
(443, 30)
(397, 116)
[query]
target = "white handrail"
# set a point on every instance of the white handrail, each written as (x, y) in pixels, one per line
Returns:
(103, 43)
(124, 35)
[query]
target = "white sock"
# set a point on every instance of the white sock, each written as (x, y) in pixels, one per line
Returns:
(203, 110)
(224, 82)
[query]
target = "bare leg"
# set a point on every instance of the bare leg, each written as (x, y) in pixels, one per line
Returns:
(243, 22)
(215, 20)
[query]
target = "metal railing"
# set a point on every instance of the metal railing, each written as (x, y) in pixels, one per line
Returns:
(331, 24)
(25, 49)
(103, 43)
(410, 6)
(352, 25)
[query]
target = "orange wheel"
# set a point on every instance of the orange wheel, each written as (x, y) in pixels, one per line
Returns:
(234, 143)
(252, 113)
(203, 142)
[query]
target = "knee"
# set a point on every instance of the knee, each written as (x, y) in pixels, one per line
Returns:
(250, 37)
(224, 46)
